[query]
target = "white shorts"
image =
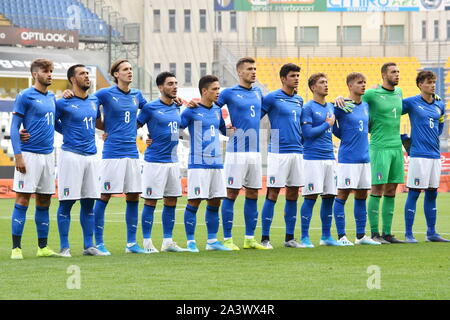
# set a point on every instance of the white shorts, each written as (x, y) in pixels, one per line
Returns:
(120, 176)
(284, 170)
(354, 176)
(320, 177)
(424, 173)
(78, 176)
(161, 180)
(243, 169)
(206, 184)
(39, 176)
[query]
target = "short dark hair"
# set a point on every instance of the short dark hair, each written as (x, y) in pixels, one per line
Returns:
(385, 66)
(205, 81)
(161, 78)
(41, 63)
(71, 71)
(115, 67)
(314, 77)
(425, 75)
(353, 76)
(288, 67)
(241, 61)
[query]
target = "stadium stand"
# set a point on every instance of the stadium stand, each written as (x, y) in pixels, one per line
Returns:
(53, 15)
(337, 69)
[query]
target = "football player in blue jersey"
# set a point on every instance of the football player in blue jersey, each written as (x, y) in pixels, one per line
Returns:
(426, 115)
(285, 157)
(34, 108)
(161, 177)
(121, 172)
(76, 119)
(205, 167)
(242, 158)
(319, 164)
(353, 170)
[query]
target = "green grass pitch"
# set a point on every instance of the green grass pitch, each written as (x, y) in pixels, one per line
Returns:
(409, 271)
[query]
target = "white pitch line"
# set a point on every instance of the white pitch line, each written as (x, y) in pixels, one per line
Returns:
(234, 225)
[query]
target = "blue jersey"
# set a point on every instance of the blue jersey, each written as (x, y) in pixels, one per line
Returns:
(204, 125)
(78, 117)
(120, 113)
(284, 112)
(38, 112)
(162, 122)
(424, 119)
(244, 106)
(353, 130)
(319, 147)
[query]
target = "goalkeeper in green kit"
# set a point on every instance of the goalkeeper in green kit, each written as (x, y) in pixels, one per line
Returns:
(386, 153)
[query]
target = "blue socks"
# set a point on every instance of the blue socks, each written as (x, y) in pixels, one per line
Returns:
(42, 221)
(168, 221)
(339, 216)
(250, 216)
(267, 216)
(360, 213)
(290, 216)
(227, 217)
(306, 215)
(147, 221)
(429, 206)
(99, 213)
(410, 211)
(190, 221)
(18, 219)
(131, 218)
(87, 221)
(326, 215)
(63, 220)
(212, 221)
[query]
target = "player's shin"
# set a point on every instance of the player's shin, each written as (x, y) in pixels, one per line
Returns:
(360, 213)
(250, 216)
(131, 217)
(290, 218)
(87, 221)
(326, 216)
(18, 223)
(147, 221)
(227, 217)
(42, 221)
(63, 220)
(99, 214)
(190, 222)
(212, 223)
(373, 213)
(306, 215)
(266, 217)
(429, 205)
(339, 216)
(387, 212)
(410, 211)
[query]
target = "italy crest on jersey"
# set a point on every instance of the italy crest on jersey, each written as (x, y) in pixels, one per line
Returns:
(416, 182)
(66, 192)
(311, 187)
(272, 180)
(379, 176)
(217, 115)
(149, 191)
(197, 191)
(94, 107)
(135, 101)
(107, 186)
(230, 180)
(21, 184)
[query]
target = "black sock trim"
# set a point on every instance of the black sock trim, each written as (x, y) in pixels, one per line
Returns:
(388, 196)
(372, 195)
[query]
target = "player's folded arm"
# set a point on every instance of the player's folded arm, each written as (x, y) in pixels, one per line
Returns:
(311, 132)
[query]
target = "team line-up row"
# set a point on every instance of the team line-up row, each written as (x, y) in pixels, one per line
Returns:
(300, 155)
